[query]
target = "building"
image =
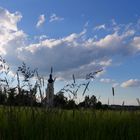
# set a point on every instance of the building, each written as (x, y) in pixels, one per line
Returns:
(50, 91)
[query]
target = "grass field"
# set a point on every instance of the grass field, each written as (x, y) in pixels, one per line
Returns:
(40, 124)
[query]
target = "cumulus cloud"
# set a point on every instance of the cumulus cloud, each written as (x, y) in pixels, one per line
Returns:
(10, 35)
(41, 20)
(8, 21)
(54, 17)
(131, 83)
(74, 53)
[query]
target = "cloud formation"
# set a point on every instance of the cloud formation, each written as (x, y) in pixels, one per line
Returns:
(10, 36)
(99, 27)
(131, 83)
(54, 17)
(74, 53)
(107, 80)
(41, 20)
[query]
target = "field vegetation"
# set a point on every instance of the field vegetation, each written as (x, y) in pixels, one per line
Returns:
(24, 114)
(18, 123)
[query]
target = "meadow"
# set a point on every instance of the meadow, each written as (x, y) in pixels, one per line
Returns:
(26, 123)
(24, 117)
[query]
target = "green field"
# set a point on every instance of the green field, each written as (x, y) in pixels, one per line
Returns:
(18, 123)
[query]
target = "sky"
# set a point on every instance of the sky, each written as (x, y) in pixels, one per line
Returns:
(76, 37)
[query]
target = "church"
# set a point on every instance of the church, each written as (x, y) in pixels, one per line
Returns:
(50, 91)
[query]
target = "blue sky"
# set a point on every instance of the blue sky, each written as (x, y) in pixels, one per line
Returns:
(76, 36)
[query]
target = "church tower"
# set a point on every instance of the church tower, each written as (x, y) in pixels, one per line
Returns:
(50, 90)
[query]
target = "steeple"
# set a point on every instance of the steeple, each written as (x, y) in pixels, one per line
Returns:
(50, 80)
(50, 90)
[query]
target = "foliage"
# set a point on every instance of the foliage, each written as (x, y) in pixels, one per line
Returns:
(25, 92)
(41, 124)
(60, 100)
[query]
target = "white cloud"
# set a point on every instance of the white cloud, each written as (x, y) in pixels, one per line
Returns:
(131, 83)
(54, 17)
(73, 52)
(106, 62)
(109, 81)
(99, 27)
(8, 21)
(111, 41)
(112, 82)
(136, 42)
(70, 54)
(41, 20)
(106, 80)
(10, 35)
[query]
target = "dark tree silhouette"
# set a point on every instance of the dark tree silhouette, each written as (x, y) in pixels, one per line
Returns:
(26, 91)
(60, 100)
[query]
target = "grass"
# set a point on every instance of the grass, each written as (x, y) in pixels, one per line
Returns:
(40, 124)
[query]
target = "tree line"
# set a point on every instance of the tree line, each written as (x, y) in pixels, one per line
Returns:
(27, 88)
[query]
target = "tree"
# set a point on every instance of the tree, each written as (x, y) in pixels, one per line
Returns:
(3, 97)
(71, 104)
(89, 102)
(93, 101)
(60, 100)
(27, 74)
(98, 105)
(11, 96)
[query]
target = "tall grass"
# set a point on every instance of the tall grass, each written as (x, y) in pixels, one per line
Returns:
(41, 124)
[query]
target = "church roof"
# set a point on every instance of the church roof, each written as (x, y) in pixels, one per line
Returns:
(50, 80)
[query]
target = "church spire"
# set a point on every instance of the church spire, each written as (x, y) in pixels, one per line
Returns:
(50, 80)
(50, 90)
